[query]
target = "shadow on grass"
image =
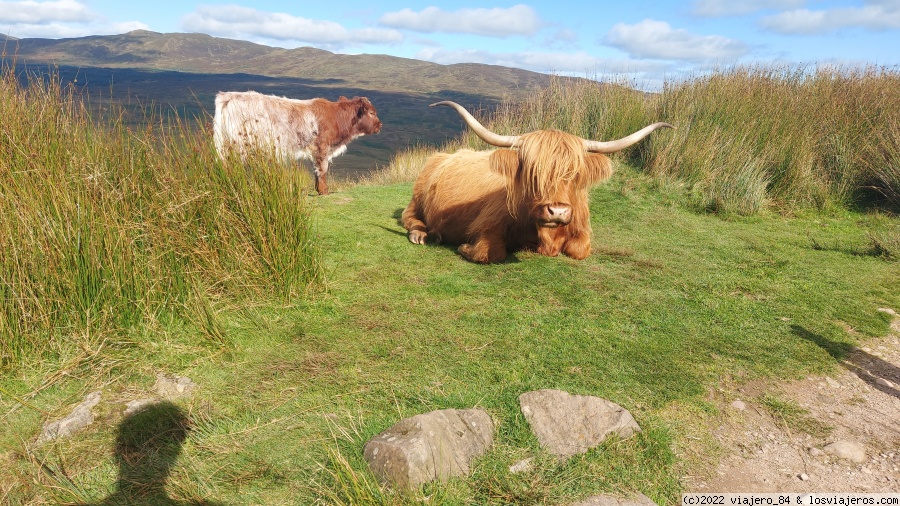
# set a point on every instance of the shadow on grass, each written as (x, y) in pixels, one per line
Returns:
(147, 445)
(865, 366)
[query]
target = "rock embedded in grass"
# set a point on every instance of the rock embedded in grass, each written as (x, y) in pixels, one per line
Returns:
(567, 424)
(79, 418)
(431, 446)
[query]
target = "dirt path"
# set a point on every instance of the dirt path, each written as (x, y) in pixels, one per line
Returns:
(859, 405)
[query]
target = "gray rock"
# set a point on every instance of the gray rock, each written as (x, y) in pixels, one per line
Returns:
(79, 418)
(170, 386)
(608, 500)
(739, 405)
(436, 445)
(137, 405)
(848, 450)
(568, 424)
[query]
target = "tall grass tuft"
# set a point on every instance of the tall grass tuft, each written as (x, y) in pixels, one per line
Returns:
(745, 138)
(103, 226)
(812, 138)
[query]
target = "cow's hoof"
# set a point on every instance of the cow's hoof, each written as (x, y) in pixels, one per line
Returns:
(417, 237)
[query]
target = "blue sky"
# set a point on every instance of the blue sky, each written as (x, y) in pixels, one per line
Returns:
(641, 41)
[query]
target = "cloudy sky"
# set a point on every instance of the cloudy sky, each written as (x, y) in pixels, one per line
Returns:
(642, 41)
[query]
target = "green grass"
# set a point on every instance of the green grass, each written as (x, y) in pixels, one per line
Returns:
(793, 417)
(670, 303)
(105, 229)
(310, 325)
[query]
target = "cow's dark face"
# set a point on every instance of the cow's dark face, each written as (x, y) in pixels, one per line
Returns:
(367, 118)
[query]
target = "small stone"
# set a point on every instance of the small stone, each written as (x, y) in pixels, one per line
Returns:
(137, 405)
(832, 383)
(170, 386)
(803, 477)
(885, 383)
(848, 450)
(739, 405)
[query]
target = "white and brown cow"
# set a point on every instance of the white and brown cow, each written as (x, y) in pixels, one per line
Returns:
(314, 129)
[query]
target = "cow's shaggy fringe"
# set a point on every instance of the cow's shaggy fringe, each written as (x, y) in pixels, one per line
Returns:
(104, 228)
(549, 158)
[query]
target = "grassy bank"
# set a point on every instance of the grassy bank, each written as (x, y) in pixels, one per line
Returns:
(105, 229)
(746, 140)
(292, 382)
(672, 303)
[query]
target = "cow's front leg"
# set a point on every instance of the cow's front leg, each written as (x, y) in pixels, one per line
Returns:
(578, 246)
(411, 221)
(484, 250)
(322, 176)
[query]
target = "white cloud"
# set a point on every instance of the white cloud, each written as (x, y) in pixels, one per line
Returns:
(57, 19)
(244, 22)
(658, 40)
(720, 8)
(30, 12)
(63, 30)
(516, 20)
(875, 15)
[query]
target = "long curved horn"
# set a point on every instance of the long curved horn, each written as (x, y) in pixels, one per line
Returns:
(624, 142)
(501, 141)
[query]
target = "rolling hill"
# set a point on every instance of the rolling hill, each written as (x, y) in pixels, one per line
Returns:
(203, 54)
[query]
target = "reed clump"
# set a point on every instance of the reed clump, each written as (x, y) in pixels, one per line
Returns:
(746, 139)
(104, 226)
(787, 137)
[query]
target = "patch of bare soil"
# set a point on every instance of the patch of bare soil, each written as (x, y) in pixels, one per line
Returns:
(860, 405)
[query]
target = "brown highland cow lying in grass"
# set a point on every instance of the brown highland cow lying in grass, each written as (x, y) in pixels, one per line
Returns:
(533, 196)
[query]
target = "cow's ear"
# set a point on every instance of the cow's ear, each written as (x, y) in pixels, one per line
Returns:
(505, 162)
(362, 107)
(596, 168)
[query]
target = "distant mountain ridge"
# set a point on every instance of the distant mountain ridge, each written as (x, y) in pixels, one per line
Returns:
(200, 53)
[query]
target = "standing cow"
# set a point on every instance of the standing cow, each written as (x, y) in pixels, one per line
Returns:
(314, 129)
(533, 196)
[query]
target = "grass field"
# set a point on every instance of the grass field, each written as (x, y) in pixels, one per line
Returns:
(671, 304)
(296, 372)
